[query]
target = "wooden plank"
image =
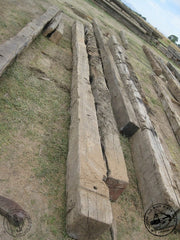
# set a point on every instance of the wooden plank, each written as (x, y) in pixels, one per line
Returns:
(154, 64)
(120, 16)
(113, 230)
(117, 179)
(89, 211)
(156, 179)
(172, 83)
(58, 33)
(123, 39)
(150, 30)
(174, 71)
(122, 108)
(172, 115)
(15, 45)
(53, 25)
(132, 92)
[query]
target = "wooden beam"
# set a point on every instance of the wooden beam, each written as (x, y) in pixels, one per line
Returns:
(122, 108)
(117, 179)
(89, 211)
(15, 45)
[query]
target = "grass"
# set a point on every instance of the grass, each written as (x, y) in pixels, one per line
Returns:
(39, 110)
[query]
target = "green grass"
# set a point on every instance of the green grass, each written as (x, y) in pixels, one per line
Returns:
(39, 110)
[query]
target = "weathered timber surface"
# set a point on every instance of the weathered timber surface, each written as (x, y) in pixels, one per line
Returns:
(130, 19)
(151, 31)
(154, 64)
(122, 108)
(174, 71)
(15, 45)
(173, 117)
(137, 83)
(172, 83)
(59, 31)
(89, 211)
(123, 39)
(122, 18)
(175, 55)
(79, 13)
(153, 170)
(53, 25)
(117, 178)
(113, 230)
(58, 34)
(170, 53)
(155, 176)
(132, 92)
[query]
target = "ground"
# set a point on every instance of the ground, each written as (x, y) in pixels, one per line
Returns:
(35, 118)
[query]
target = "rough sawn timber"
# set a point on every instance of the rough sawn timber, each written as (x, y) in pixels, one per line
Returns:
(174, 71)
(58, 34)
(156, 180)
(15, 45)
(123, 39)
(154, 64)
(122, 108)
(173, 117)
(123, 18)
(53, 25)
(172, 83)
(117, 178)
(132, 92)
(89, 211)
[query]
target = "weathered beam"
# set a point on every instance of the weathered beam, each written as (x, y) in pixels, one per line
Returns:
(140, 20)
(172, 82)
(117, 179)
(89, 211)
(53, 25)
(15, 45)
(156, 179)
(137, 83)
(174, 71)
(113, 230)
(132, 92)
(122, 18)
(58, 33)
(173, 117)
(122, 108)
(123, 39)
(154, 64)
